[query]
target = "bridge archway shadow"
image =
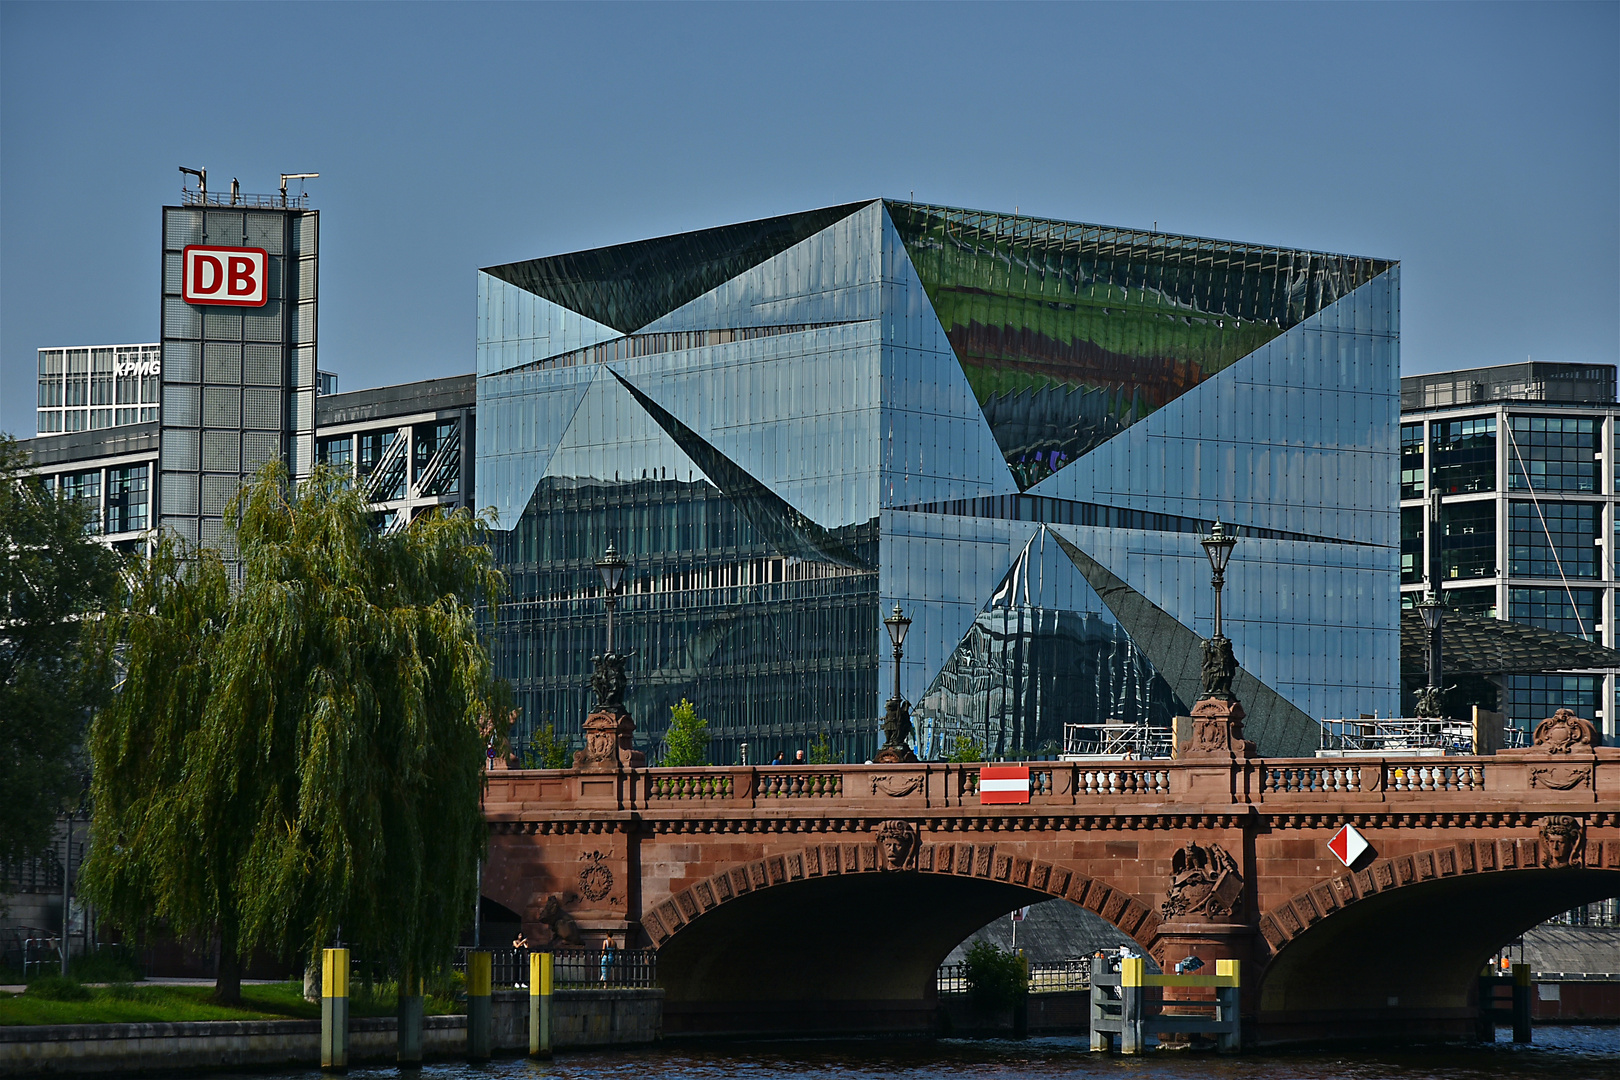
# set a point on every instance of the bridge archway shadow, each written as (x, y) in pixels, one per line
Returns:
(840, 953)
(1404, 962)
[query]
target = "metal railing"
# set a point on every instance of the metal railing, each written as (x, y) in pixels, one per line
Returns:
(1045, 976)
(242, 201)
(578, 968)
(1408, 734)
(1116, 740)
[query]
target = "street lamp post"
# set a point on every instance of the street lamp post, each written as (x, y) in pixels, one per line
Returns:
(609, 729)
(897, 716)
(1220, 666)
(1433, 611)
(611, 567)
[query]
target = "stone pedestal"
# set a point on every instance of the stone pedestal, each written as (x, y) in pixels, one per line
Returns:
(609, 743)
(1217, 732)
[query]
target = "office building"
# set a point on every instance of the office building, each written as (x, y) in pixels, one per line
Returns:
(97, 386)
(1525, 462)
(1016, 429)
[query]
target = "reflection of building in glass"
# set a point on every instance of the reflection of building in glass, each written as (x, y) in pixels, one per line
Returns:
(1524, 457)
(1015, 428)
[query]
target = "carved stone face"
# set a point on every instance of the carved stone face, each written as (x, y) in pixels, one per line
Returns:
(1562, 837)
(894, 844)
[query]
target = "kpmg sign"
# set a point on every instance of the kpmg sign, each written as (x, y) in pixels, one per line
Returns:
(224, 275)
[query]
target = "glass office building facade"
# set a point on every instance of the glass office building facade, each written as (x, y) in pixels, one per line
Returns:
(1014, 428)
(1525, 459)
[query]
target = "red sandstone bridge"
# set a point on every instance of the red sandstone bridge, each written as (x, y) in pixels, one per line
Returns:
(818, 899)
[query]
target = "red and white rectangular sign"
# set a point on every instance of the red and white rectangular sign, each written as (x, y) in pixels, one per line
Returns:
(1003, 784)
(224, 275)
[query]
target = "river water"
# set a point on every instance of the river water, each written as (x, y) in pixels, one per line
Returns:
(1564, 1053)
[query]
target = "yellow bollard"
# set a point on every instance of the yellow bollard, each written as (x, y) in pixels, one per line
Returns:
(478, 1005)
(335, 1009)
(540, 981)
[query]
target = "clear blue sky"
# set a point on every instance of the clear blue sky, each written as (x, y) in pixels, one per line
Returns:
(1477, 143)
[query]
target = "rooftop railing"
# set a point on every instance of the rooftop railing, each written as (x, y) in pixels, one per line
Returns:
(243, 201)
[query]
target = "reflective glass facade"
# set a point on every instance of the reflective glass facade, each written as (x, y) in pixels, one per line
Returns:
(789, 426)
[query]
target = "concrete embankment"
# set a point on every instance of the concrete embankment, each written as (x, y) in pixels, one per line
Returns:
(580, 1019)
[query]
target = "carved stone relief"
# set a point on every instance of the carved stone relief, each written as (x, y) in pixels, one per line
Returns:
(1563, 841)
(897, 845)
(596, 879)
(1204, 884)
(896, 787)
(1561, 777)
(1565, 733)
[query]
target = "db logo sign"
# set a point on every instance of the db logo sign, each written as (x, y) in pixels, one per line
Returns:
(225, 275)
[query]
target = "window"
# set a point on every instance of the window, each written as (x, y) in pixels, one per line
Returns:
(1553, 539)
(101, 377)
(85, 489)
(127, 499)
(1559, 453)
(1411, 461)
(1569, 611)
(1468, 546)
(1465, 455)
(374, 447)
(1412, 568)
(78, 378)
(337, 452)
(429, 440)
(1480, 602)
(1533, 698)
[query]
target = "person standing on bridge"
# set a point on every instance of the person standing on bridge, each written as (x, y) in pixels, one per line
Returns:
(798, 757)
(780, 758)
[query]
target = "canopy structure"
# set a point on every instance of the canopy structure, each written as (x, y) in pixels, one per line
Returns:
(1472, 645)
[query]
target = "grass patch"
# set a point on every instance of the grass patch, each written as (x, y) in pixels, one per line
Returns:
(126, 1003)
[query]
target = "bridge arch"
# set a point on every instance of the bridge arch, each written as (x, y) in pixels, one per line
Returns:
(846, 935)
(1401, 940)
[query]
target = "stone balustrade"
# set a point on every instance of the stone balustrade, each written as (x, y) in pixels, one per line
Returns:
(1085, 785)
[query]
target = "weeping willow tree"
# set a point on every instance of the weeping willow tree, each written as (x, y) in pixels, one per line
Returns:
(297, 758)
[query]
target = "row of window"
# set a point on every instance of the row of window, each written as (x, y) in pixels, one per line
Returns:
(56, 421)
(433, 464)
(1544, 453)
(1545, 539)
(126, 505)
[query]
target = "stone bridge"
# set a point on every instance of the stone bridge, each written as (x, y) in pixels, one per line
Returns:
(822, 898)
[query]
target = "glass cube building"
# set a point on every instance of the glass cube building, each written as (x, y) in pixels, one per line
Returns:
(1014, 428)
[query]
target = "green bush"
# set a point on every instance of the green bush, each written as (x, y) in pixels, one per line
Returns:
(968, 750)
(687, 741)
(58, 988)
(821, 752)
(548, 750)
(996, 978)
(107, 964)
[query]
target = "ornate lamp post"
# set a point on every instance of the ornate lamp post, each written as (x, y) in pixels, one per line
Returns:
(611, 567)
(1433, 611)
(897, 715)
(1217, 726)
(609, 728)
(1219, 664)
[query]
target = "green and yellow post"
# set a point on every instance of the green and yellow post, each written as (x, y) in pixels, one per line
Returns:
(479, 1013)
(540, 982)
(335, 1009)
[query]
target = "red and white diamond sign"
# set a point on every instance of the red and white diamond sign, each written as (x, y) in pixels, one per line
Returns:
(1003, 784)
(1347, 845)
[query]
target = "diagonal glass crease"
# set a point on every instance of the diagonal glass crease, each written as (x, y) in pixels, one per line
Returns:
(1069, 333)
(783, 527)
(627, 286)
(1279, 727)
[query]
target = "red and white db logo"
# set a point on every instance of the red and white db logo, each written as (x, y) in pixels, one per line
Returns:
(225, 275)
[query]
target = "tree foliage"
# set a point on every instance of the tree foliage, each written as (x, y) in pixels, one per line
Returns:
(821, 752)
(303, 752)
(996, 977)
(54, 580)
(967, 750)
(687, 741)
(548, 750)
